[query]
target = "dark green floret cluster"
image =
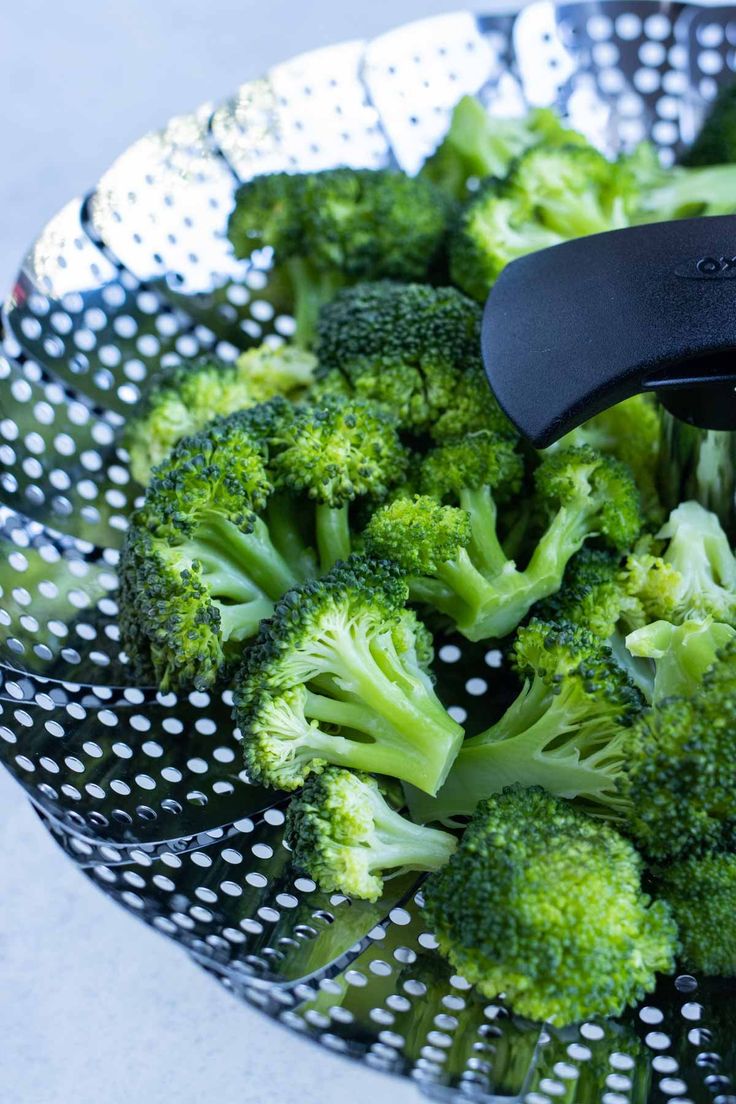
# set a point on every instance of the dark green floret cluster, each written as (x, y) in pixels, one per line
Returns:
(331, 229)
(320, 514)
(545, 905)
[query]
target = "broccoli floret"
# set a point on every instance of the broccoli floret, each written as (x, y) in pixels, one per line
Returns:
(681, 653)
(347, 837)
(416, 350)
(545, 905)
(686, 193)
(182, 399)
(478, 144)
(333, 454)
(716, 142)
(471, 579)
(699, 551)
(339, 676)
(550, 196)
(630, 431)
(679, 781)
(492, 230)
(622, 605)
(701, 892)
(330, 229)
(198, 567)
(566, 730)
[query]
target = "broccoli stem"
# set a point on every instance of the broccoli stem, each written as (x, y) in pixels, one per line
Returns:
(240, 620)
(398, 842)
(417, 739)
(485, 546)
(253, 552)
(287, 538)
(333, 534)
(312, 290)
(537, 742)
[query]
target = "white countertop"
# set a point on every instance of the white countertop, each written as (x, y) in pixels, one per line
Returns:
(94, 1006)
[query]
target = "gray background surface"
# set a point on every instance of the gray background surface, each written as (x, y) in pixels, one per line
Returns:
(94, 1007)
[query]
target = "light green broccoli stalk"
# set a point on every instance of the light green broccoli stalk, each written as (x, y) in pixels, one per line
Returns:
(544, 905)
(346, 836)
(566, 730)
(681, 653)
(339, 676)
(698, 550)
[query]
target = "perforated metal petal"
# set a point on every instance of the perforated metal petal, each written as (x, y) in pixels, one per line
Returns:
(146, 792)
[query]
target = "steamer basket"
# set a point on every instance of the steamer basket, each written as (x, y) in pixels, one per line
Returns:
(146, 792)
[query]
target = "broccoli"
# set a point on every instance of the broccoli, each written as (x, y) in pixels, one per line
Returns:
(716, 142)
(347, 837)
(339, 676)
(631, 432)
(413, 348)
(198, 567)
(678, 781)
(492, 230)
(478, 144)
(698, 550)
(454, 556)
(566, 730)
(622, 606)
(701, 892)
(182, 399)
(331, 229)
(550, 196)
(544, 905)
(333, 454)
(681, 653)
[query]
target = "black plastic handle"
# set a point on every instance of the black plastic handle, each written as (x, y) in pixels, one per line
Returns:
(573, 329)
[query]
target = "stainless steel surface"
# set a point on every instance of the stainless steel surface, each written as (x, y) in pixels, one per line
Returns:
(145, 792)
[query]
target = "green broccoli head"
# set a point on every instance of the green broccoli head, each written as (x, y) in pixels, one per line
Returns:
(413, 348)
(701, 892)
(339, 450)
(199, 569)
(418, 533)
(593, 594)
(699, 551)
(679, 781)
(584, 493)
(482, 459)
(631, 432)
(544, 905)
(478, 144)
(218, 471)
(339, 675)
(681, 653)
(571, 190)
(181, 619)
(552, 194)
(716, 142)
(330, 229)
(492, 230)
(597, 492)
(347, 837)
(182, 399)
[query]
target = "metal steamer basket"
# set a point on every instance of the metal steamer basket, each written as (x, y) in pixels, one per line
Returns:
(145, 791)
